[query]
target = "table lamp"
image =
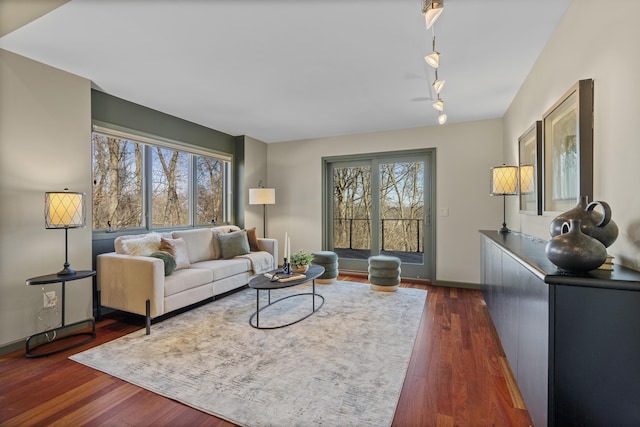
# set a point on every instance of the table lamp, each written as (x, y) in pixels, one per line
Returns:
(504, 182)
(64, 210)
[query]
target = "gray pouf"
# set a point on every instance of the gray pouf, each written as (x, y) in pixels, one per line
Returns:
(384, 273)
(328, 260)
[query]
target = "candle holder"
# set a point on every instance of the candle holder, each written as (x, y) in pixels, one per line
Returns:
(286, 267)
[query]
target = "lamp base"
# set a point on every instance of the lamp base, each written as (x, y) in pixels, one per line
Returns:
(504, 229)
(66, 271)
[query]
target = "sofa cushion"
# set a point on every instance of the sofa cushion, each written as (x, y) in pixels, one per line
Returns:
(182, 280)
(223, 268)
(221, 229)
(168, 260)
(253, 240)
(177, 248)
(137, 244)
(199, 243)
(233, 244)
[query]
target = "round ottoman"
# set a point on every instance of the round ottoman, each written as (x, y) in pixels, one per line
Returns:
(328, 260)
(384, 273)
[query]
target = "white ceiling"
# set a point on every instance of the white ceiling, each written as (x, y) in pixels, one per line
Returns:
(280, 70)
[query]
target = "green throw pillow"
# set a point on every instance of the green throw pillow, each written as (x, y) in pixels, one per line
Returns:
(233, 244)
(168, 259)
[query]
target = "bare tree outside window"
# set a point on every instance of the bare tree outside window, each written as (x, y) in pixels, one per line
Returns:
(401, 203)
(210, 190)
(170, 183)
(117, 182)
(401, 206)
(352, 207)
(180, 183)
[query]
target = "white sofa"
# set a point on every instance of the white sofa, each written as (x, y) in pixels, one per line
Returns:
(130, 280)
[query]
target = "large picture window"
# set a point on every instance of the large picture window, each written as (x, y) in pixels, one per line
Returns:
(139, 182)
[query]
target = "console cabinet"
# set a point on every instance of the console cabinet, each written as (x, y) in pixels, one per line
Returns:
(573, 341)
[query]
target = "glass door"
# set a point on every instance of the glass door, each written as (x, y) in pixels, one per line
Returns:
(378, 206)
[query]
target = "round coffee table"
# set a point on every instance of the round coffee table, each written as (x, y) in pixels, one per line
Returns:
(261, 283)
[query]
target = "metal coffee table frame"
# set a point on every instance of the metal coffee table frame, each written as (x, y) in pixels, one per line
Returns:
(263, 283)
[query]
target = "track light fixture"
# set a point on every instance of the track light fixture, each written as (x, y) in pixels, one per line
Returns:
(432, 10)
(437, 85)
(433, 59)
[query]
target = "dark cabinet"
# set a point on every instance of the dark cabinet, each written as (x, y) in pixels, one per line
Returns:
(573, 341)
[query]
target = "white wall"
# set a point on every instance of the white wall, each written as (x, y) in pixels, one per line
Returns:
(464, 154)
(599, 41)
(45, 145)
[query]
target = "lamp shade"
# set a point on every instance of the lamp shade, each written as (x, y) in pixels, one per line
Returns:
(527, 183)
(432, 11)
(64, 209)
(433, 59)
(262, 196)
(504, 180)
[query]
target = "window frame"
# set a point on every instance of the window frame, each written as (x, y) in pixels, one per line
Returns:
(149, 142)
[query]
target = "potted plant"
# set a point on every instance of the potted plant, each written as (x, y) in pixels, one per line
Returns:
(300, 261)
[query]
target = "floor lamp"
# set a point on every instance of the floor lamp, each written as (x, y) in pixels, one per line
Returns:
(504, 182)
(64, 209)
(262, 196)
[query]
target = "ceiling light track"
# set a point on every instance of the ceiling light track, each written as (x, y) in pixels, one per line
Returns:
(432, 9)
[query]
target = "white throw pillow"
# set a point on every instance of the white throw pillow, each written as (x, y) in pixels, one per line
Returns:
(177, 248)
(141, 246)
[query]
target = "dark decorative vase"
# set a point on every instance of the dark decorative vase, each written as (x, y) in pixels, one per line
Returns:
(593, 223)
(575, 252)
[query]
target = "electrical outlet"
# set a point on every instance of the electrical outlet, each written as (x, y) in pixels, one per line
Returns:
(50, 299)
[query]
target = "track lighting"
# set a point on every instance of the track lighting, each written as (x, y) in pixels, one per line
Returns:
(432, 9)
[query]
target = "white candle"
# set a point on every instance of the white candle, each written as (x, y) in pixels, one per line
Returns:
(289, 248)
(286, 239)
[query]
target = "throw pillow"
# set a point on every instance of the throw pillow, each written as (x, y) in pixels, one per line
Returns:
(233, 244)
(253, 239)
(141, 246)
(168, 259)
(177, 248)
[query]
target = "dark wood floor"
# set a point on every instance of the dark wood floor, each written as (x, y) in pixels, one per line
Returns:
(458, 376)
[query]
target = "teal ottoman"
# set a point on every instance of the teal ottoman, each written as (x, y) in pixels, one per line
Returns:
(384, 273)
(328, 260)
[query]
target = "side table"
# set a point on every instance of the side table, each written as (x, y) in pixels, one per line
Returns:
(55, 278)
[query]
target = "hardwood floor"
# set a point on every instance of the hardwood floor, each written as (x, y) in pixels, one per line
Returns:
(458, 376)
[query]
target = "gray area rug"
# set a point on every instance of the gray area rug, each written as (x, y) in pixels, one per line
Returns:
(343, 366)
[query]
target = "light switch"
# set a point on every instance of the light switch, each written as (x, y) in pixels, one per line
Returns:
(444, 211)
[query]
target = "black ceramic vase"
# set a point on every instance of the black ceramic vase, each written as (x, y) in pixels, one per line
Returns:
(598, 225)
(575, 252)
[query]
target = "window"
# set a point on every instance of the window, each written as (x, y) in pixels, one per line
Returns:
(141, 182)
(117, 182)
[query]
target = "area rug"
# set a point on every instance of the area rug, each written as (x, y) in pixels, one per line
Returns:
(343, 366)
